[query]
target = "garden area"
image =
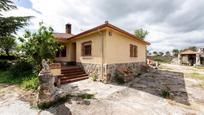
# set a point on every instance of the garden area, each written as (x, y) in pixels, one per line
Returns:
(21, 56)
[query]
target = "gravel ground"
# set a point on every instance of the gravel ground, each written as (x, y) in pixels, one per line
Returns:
(141, 96)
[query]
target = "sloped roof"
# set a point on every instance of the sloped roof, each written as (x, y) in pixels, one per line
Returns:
(189, 52)
(62, 35)
(108, 25)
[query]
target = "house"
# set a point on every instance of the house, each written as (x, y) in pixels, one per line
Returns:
(101, 50)
(190, 57)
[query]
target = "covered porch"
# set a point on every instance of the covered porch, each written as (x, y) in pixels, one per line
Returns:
(67, 56)
(191, 58)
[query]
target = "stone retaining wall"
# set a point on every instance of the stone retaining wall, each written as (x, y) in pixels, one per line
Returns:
(109, 70)
(91, 68)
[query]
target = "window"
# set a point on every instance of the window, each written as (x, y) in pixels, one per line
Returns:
(58, 54)
(64, 52)
(133, 50)
(86, 48)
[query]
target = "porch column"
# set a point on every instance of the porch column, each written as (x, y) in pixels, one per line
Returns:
(197, 59)
(179, 58)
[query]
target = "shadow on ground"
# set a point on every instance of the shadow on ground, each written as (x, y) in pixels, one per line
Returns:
(165, 84)
(59, 110)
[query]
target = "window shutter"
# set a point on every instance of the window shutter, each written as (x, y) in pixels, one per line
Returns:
(131, 50)
(135, 55)
(64, 52)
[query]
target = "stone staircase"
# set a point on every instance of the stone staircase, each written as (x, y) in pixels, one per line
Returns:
(72, 74)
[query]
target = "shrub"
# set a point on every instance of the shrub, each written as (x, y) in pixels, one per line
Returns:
(5, 77)
(85, 96)
(30, 82)
(21, 68)
(4, 65)
(119, 78)
(165, 93)
(94, 77)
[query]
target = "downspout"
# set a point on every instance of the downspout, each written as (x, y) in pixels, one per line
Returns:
(145, 54)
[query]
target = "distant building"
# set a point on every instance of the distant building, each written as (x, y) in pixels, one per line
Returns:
(189, 57)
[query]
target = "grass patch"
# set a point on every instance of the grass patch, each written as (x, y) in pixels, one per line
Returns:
(197, 76)
(84, 96)
(30, 83)
(164, 59)
(199, 67)
(26, 82)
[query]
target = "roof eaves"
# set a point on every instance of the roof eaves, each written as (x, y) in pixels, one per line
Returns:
(110, 26)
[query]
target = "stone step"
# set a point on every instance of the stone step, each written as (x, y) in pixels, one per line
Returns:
(72, 71)
(64, 77)
(73, 79)
(70, 68)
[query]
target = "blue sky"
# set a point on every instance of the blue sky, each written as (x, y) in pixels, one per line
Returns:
(24, 3)
(171, 24)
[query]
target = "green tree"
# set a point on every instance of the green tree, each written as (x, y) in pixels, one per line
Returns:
(155, 53)
(161, 53)
(167, 53)
(141, 33)
(10, 25)
(193, 48)
(41, 44)
(7, 44)
(175, 52)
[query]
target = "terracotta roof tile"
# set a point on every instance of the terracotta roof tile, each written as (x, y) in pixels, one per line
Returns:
(62, 35)
(66, 36)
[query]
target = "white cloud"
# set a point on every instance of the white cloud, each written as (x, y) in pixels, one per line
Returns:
(175, 24)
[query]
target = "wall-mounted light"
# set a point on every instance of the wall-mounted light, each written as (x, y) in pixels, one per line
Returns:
(110, 33)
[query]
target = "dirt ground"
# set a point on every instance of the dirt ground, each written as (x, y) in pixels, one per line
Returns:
(142, 96)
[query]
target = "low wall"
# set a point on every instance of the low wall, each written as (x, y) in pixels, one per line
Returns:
(109, 70)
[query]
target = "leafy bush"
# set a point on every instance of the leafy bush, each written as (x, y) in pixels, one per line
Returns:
(5, 77)
(30, 82)
(4, 65)
(94, 77)
(21, 68)
(119, 78)
(165, 93)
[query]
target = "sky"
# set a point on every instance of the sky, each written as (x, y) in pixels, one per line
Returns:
(170, 23)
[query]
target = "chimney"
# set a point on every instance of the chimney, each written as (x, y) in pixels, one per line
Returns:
(68, 28)
(106, 22)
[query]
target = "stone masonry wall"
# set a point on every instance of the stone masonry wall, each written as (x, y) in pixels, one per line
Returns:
(91, 68)
(110, 70)
(128, 70)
